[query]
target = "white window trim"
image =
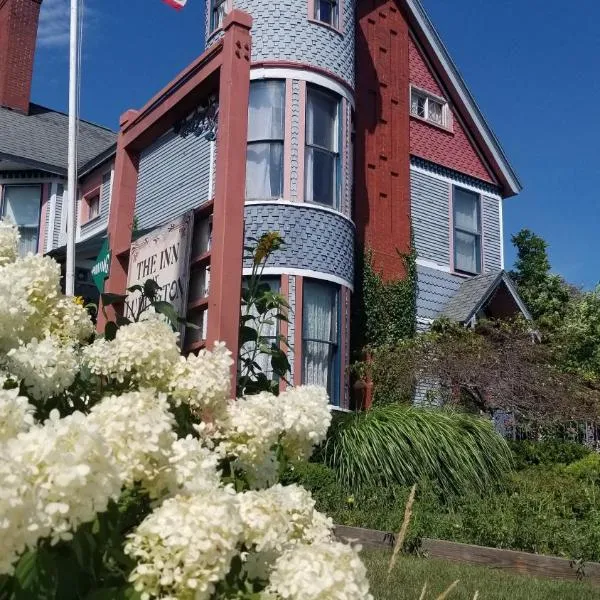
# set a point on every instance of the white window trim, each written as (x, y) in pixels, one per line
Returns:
(479, 233)
(446, 112)
(335, 7)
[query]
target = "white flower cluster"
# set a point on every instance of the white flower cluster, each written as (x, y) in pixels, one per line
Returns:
(203, 382)
(144, 352)
(281, 515)
(16, 414)
(186, 546)
(9, 240)
(70, 322)
(320, 571)
(46, 367)
(138, 430)
(52, 478)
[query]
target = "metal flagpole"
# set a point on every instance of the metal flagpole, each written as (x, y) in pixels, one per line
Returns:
(72, 157)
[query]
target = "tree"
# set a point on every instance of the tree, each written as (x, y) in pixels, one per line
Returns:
(546, 295)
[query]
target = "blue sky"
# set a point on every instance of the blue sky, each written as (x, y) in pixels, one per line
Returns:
(531, 65)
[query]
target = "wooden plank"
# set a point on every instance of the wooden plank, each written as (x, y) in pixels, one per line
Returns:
(536, 565)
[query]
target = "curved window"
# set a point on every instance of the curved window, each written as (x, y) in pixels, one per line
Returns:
(320, 336)
(326, 11)
(322, 158)
(264, 155)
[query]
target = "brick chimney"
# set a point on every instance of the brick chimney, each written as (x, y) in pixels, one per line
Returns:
(18, 33)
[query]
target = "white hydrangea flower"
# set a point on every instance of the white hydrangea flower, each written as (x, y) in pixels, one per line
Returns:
(138, 430)
(306, 418)
(252, 427)
(281, 515)
(29, 289)
(52, 478)
(204, 382)
(9, 242)
(322, 571)
(16, 414)
(70, 321)
(185, 546)
(46, 367)
(146, 352)
(259, 474)
(192, 468)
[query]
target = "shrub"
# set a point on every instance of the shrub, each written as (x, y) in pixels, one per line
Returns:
(529, 453)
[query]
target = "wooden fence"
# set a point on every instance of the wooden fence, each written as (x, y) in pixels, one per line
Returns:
(526, 563)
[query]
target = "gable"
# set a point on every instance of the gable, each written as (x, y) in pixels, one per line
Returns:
(453, 149)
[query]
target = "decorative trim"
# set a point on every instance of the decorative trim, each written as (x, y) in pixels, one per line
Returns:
(303, 273)
(314, 205)
(298, 330)
(287, 141)
(421, 165)
(42, 233)
(301, 139)
(52, 219)
(284, 290)
(430, 264)
(303, 72)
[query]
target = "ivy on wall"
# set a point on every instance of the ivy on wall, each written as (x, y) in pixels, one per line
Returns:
(385, 311)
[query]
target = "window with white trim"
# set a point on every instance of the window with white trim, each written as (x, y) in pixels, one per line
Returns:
(218, 10)
(467, 231)
(322, 153)
(21, 204)
(326, 11)
(93, 207)
(320, 335)
(264, 155)
(429, 107)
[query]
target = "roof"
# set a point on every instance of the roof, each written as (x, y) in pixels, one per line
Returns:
(474, 293)
(40, 139)
(462, 96)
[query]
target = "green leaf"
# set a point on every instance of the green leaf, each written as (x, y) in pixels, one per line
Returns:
(110, 330)
(136, 288)
(110, 299)
(151, 287)
(279, 362)
(168, 310)
(35, 576)
(248, 334)
(122, 321)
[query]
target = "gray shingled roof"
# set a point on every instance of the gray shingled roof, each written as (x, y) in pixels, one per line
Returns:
(40, 138)
(471, 294)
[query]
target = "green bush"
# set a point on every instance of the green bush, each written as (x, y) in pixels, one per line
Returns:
(552, 452)
(548, 509)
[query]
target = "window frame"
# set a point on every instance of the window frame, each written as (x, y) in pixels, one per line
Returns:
(477, 234)
(270, 140)
(94, 199)
(336, 154)
(214, 24)
(335, 12)
(6, 186)
(335, 361)
(446, 114)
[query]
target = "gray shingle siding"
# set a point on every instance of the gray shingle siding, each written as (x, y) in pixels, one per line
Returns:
(174, 175)
(430, 199)
(315, 240)
(492, 232)
(298, 39)
(434, 290)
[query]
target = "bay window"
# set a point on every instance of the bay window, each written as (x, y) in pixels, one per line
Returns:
(264, 156)
(326, 11)
(320, 336)
(21, 205)
(467, 231)
(322, 160)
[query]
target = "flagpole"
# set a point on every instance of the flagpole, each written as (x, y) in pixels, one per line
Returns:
(72, 156)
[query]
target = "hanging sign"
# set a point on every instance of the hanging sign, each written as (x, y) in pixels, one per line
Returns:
(164, 256)
(101, 267)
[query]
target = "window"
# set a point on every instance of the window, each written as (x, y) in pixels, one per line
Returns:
(429, 107)
(326, 11)
(268, 332)
(93, 207)
(320, 336)
(467, 232)
(322, 160)
(264, 156)
(21, 204)
(218, 10)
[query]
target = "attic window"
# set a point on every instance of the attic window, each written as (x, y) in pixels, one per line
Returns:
(430, 108)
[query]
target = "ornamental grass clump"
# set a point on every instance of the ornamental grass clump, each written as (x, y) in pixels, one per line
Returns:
(129, 471)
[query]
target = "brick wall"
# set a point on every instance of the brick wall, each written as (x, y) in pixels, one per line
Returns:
(381, 184)
(450, 149)
(18, 32)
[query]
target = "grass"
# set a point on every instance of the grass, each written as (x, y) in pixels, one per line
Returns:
(410, 573)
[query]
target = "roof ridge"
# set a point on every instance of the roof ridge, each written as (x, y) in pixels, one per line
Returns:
(60, 112)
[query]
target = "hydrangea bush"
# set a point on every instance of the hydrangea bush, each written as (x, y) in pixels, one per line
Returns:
(128, 471)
